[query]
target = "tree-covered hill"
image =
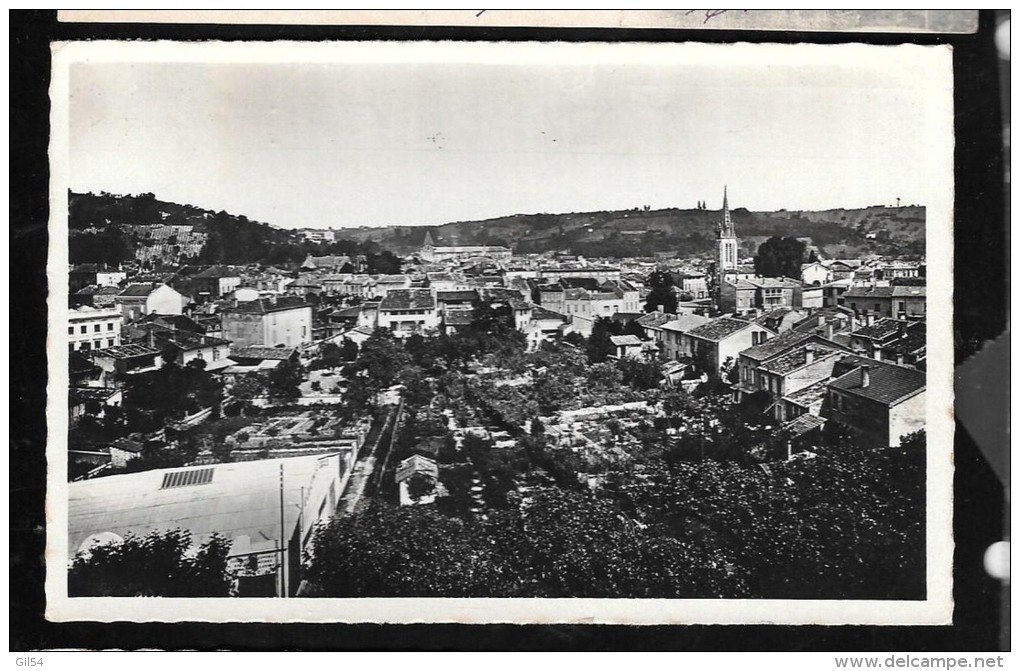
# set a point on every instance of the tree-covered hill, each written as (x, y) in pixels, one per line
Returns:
(110, 228)
(641, 232)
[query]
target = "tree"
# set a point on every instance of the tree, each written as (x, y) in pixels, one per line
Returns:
(662, 295)
(383, 263)
(599, 344)
(158, 564)
(381, 361)
(283, 382)
(420, 486)
(405, 552)
(779, 257)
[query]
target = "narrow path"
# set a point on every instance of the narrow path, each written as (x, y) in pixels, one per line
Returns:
(353, 497)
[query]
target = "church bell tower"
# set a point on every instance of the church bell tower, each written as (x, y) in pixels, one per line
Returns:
(726, 243)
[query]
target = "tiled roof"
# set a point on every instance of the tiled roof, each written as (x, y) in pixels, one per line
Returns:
(353, 311)
(719, 329)
(267, 305)
(775, 346)
(810, 396)
(881, 329)
(801, 425)
(539, 312)
(797, 358)
(898, 291)
(123, 352)
(139, 289)
(625, 340)
(408, 299)
(914, 338)
(261, 352)
(416, 464)
(181, 322)
(186, 340)
(888, 384)
(451, 296)
(685, 322)
(655, 319)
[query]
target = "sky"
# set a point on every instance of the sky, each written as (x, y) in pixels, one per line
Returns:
(402, 137)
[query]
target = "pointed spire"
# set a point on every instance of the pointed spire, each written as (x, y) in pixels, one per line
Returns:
(727, 222)
(428, 240)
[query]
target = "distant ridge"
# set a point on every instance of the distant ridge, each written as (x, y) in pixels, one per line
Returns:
(114, 228)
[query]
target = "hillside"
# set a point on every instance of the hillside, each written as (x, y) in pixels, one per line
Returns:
(109, 228)
(837, 232)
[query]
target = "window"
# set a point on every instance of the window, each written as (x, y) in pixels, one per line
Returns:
(86, 346)
(96, 328)
(70, 330)
(878, 307)
(84, 329)
(109, 342)
(216, 354)
(109, 326)
(99, 344)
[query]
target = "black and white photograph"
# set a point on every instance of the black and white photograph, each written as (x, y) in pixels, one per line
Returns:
(481, 332)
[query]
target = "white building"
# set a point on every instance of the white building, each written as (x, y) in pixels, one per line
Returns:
(284, 321)
(239, 501)
(91, 328)
(142, 298)
(407, 311)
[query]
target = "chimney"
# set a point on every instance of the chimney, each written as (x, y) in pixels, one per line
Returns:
(821, 320)
(809, 354)
(899, 358)
(865, 376)
(829, 329)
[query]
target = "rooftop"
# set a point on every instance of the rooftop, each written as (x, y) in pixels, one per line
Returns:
(268, 305)
(881, 329)
(237, 500)
(775, 346)
(797, 358)
(811, 396)
(888, 384)
(139, 289)
(416, 464)
(719, 329)
(801, 425)
(408, 299)
(625, 340)
(685, 322)
(123, 352)
(261, 352)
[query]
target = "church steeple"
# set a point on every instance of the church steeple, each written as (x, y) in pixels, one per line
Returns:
(727, 247)
(726, 227)
(428, 240)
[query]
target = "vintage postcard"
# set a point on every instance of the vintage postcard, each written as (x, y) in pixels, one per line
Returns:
(500, 332)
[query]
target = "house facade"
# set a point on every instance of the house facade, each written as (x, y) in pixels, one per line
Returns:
(878, 402)
(407, 311)
(720, 340)
(90, 328)
(142, 298)
(275, 321)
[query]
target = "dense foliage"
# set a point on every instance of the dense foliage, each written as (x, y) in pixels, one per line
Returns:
(845, 524)
(159, 564)
(780, 257)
